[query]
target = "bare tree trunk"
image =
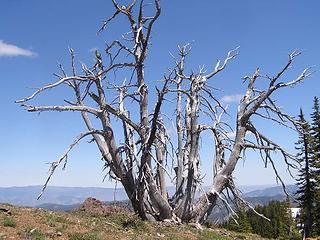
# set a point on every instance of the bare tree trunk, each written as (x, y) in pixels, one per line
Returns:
(139, 160)
(160, 155)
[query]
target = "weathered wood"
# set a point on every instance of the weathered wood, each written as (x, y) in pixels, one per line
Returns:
(139, 160)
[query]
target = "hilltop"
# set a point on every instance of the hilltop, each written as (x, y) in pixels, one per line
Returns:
(86, 223)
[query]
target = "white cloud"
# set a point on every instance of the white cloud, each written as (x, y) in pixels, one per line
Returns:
(231, 98)
(9, 50)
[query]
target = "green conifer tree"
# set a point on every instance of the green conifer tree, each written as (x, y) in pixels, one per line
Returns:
(305, 181)
(315, 165)
(242, 225)
(280, 225)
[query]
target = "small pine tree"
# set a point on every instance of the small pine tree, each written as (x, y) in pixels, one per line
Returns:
(315, 155)
(305, 181)
(242, 225)
(281, 225)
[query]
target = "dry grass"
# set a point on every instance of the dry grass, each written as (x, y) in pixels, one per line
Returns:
(32, 223)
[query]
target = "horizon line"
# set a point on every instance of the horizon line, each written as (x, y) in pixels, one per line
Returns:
(120, 187)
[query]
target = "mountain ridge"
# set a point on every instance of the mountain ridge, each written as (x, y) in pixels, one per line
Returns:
(69, 196)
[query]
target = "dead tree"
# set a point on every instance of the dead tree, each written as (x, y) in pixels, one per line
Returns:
(147, 157)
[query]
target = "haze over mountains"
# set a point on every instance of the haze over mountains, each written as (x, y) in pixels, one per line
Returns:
(66, 198)
(27, 196)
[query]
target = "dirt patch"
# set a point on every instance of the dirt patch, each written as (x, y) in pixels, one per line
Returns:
(94, 206)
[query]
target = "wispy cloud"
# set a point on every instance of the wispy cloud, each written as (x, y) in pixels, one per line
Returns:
(231, 98)
(10, 50)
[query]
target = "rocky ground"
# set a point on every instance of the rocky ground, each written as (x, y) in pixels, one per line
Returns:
(95, 220)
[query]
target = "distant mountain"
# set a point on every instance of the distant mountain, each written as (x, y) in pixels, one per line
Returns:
(58, 207)
(271, 191)
(256, 197)
(66, 208)
(249, 188)
(264, 196)
(264, 200)
(27, 196)
(67, 198)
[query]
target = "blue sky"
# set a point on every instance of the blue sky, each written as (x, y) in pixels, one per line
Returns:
(36, 34)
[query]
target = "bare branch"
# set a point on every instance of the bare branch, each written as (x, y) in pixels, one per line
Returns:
(64, 157)
(53, 85)
(105, 23)
(62, 109)
(231, 55)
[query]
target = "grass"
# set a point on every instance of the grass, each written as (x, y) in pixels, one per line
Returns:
(53, 219)
(86, 236)
(34, 234)
(36, 224)
(9, 222)
(61, 228)
(204, 235)
(131, 222)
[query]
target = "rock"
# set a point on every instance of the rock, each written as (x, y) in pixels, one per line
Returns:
(3, 236)
(32, 230)
(160, 235)
(96, 207)
(59, 234)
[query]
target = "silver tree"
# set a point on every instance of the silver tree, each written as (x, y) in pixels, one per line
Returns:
(145, 157)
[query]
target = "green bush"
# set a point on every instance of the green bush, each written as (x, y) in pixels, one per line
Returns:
(9, 222)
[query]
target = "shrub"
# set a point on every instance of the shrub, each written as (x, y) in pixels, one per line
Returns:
(9, 222)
